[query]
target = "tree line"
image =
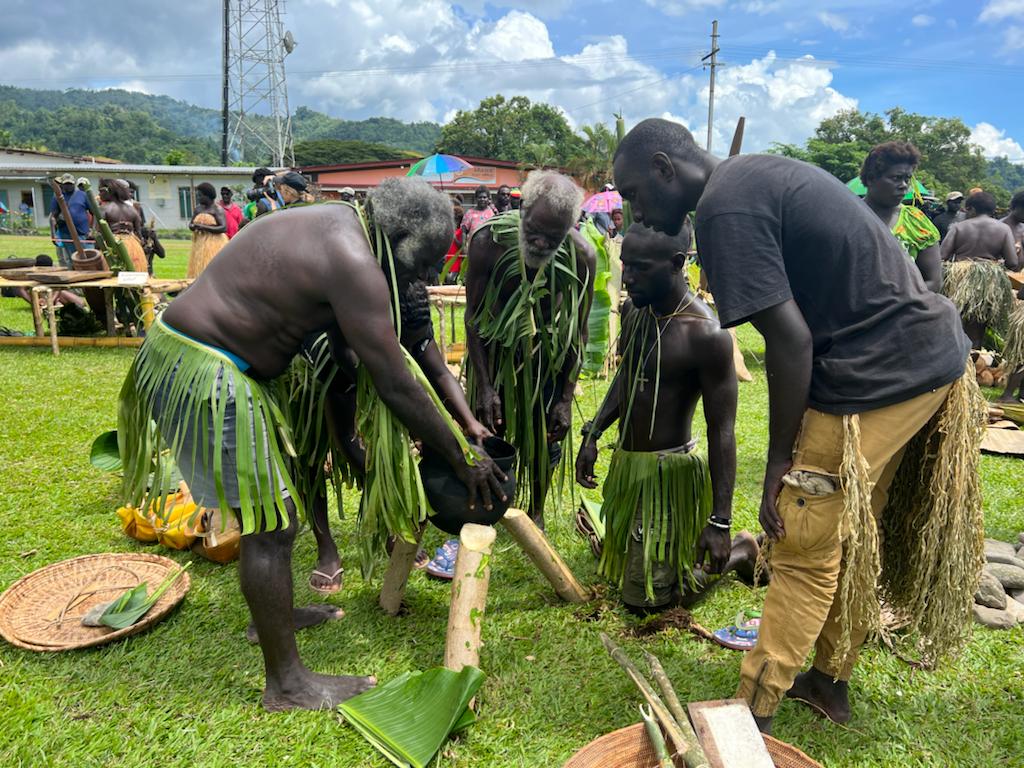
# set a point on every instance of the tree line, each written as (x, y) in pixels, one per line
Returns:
(141, 128)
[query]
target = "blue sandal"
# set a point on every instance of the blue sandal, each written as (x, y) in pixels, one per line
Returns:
(443, 564)
(741, 636)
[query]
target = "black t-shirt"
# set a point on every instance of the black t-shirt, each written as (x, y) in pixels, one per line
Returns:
(770, 229)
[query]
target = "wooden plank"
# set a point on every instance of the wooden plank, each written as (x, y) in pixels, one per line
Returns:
(728, 734)
(16, 263)
(23, 274)
(66, 276)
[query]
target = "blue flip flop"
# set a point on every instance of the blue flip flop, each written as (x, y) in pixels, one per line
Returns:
(741, 636)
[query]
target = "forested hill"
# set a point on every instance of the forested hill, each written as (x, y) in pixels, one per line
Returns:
(140, 128)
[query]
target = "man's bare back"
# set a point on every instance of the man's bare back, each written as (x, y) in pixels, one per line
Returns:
(980, 237)
(275, 282)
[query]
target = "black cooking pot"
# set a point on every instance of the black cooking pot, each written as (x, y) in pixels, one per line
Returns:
(449, 498)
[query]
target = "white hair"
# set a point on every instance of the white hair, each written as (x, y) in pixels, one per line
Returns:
(560, 192)
(413, 215)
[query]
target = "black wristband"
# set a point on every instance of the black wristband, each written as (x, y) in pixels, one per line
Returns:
(590, 431)
(720, 522)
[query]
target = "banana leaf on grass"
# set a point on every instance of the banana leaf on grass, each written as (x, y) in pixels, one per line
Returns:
(409, 719)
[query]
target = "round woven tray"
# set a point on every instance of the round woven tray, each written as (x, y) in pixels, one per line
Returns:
(42, 611)
(630, 748)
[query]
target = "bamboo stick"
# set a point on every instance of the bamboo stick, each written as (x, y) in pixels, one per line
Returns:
(672, 728)
(469, 596)
(403, 557)
(536, 546)
(694, 757)
(71, 341)
(656, 738)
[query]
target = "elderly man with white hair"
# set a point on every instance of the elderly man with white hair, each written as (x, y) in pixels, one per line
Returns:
(218, 376)
(529, 285)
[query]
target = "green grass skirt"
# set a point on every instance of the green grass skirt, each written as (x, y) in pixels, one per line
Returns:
(980, 290)
(1013, 346)
(187, 377)
(673, 493)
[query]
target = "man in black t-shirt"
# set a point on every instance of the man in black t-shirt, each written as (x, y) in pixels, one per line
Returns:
(860, 357)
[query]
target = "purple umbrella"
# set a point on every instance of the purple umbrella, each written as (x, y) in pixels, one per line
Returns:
(603, 202)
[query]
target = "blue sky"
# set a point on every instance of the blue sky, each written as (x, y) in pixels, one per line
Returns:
(788, 63)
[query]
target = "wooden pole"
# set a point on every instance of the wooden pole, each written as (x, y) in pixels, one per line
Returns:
(532, 541)
(51, 313)
(37, 313)
(469, 596)
(403, 557)
(63, 205)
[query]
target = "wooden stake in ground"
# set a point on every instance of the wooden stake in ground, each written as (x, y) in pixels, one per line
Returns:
(403, 557)
(536, 546)
(469, 596)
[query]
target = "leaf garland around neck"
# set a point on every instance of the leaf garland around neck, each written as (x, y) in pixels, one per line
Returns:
(635, 357)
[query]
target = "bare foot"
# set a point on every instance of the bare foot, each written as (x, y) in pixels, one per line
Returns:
(764, 724)
(307, 616)
(310, 690)
(830, 699)
(743, 557)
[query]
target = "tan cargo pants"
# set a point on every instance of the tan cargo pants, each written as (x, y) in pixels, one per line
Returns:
(802, 603)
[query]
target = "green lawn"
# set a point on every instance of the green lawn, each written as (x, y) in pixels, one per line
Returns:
(187, 692)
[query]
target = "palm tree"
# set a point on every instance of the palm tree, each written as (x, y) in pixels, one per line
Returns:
(538, 155)
(591, 161)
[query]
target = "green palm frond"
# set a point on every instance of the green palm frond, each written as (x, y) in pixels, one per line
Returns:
(530, 337)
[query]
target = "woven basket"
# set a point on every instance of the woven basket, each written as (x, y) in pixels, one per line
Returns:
(630, 748)
(42, 611)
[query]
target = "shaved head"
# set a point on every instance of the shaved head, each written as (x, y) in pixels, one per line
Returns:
(661, 172)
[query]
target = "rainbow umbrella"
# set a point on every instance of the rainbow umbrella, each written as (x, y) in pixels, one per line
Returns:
(603, 202)
(856, 186)
(436, 165)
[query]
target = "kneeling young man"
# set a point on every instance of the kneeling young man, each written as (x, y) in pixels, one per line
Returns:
(665, 507)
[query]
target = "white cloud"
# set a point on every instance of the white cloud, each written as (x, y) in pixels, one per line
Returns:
(833, 21)
(517, 36)
(138, 86)
(996, 10)
(761, 7)
(922, 20)
(783, 102)
(683, 7)
(995, 143)
(1013, 38)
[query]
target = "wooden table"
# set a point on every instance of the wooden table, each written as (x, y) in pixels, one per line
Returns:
(450, 296)
(47, 291)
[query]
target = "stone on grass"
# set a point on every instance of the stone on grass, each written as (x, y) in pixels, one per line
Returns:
(1020, 538)
(1016, 610)
(999, 551)
(992, 618)
(990, 592)
(1010, 576)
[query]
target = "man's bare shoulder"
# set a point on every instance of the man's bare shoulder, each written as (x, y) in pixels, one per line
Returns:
(709, 338)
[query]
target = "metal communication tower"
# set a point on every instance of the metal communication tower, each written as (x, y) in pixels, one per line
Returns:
(257, 124)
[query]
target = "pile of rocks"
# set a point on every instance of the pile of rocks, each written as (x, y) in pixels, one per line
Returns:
(999, 601)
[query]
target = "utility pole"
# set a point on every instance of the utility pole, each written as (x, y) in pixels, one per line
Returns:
(711, 91)
(226, 93)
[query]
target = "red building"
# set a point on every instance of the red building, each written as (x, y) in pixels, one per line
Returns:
(363, 176)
